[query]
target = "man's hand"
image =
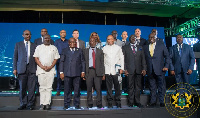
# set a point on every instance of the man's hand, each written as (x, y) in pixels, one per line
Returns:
(44, 67)
(126, 73)
(121, 71)
(165, 69)
(189, 72)
(172, 72)
(143, 72)
(15, 72)
(47, 68)
(103, 78)
(82, 75)
(62, 76)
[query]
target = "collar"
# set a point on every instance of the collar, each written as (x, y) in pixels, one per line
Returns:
(26, 41)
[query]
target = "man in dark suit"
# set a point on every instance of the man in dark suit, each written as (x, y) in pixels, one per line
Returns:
(80, 43)
(182, 60)
(196, 48)
(60, 44)
(24, 67)
(40, 40)
(72, 67)
(135, 67)
(37, 42)
(157, 59)
(124, 38)
(156, 34)
(94, 72)
(139, 39)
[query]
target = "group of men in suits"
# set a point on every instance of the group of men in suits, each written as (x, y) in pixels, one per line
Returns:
(136, 58)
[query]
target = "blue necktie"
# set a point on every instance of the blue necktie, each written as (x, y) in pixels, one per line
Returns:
(72, 50)
(27, 59)
(180, 50)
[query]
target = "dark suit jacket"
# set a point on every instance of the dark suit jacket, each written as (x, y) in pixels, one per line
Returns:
(127, 43)
(99, 62)
(38, 41)
(186, 61)
(134, 62)
(143, 42)
(196, 47)
(19, 58)
(159, 60)
(72, 64)
(81, 44)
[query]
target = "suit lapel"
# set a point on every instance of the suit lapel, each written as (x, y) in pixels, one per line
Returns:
(87, 56)
(130, 49)
(96, 54)
(75, 53)
(23, 46)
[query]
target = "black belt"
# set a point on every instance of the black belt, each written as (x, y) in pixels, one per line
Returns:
(91, 68)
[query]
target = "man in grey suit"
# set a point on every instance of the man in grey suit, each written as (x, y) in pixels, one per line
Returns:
(39, 41)
(24, 67)
(79, 43)
(94, 58)
(135, 67)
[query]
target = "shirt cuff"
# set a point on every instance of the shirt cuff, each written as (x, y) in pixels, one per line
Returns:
(61, 72)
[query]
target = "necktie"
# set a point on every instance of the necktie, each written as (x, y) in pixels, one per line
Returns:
(133, 49)
(93, 58)
(72, 50)
(151, 50)
(27, 58)
(180, 50)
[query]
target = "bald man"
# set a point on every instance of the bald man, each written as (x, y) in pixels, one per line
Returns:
(24, 67)
(60, 44)
(124, 38)
(113, 57)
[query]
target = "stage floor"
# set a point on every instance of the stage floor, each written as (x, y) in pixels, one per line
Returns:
(9, 102)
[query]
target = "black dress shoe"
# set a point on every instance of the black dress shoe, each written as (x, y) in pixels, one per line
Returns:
(130, 105)
(151, 105)
(42, 107)
(90, 105)
(30, 108)
(48, 107)
(162, 105)
(37, 94)
(66, 107)
(22, 107)
(77, 107)
(110, 105)
(139, 105)
(58, 93)
(99, 106)
(119, 105)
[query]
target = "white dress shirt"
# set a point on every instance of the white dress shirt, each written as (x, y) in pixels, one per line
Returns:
(29, 47)
(112, 55)
(46, 55)
(77, 43)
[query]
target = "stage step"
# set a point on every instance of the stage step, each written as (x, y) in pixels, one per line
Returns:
(59, 100)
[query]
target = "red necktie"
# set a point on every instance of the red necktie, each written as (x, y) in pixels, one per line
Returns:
(93, 56)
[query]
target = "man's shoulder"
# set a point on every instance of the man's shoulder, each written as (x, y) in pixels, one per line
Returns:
(37, 39)
(81, 40)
